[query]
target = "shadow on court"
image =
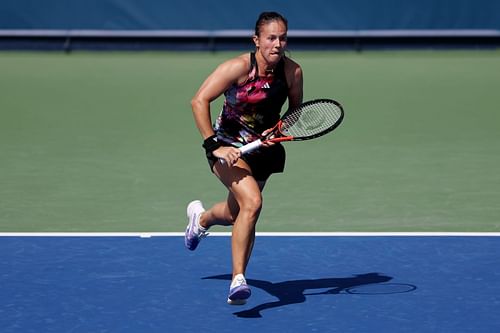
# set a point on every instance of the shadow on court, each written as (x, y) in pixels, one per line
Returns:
(293, 291)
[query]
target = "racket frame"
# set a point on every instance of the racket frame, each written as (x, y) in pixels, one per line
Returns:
(305, 104)
(277, 135)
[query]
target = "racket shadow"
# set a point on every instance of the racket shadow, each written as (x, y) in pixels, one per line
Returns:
(293, 291)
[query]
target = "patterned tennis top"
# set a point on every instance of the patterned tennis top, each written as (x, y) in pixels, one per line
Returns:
(253, 106)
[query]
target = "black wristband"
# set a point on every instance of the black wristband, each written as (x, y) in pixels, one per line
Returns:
(210, 144)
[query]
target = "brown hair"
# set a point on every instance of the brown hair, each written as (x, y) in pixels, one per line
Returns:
(267, 17)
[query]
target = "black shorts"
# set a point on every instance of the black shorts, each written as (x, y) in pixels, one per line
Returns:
(263, 162)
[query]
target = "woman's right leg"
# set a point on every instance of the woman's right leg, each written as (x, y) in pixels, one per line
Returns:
(222, 213)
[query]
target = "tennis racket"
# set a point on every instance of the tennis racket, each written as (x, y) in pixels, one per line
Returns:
(309, 120)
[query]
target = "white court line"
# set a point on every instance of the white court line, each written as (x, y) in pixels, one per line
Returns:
(260, 234)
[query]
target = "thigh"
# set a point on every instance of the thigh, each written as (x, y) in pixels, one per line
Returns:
(232, 203)
(240, 182)
(237, 178)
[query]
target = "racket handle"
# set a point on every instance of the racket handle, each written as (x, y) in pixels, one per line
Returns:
(250, 146)
(246, 148)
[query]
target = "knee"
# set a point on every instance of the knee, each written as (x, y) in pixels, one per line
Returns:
(247, 213)
(251, 205)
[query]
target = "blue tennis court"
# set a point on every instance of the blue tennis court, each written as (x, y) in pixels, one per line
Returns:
(299, 284)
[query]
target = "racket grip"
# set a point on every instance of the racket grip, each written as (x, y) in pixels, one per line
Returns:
(246, 148)
(250, 146)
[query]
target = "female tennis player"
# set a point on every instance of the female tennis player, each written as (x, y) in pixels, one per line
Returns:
(256, 86)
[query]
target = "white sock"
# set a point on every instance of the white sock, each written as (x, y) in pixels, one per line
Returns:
(200, 228)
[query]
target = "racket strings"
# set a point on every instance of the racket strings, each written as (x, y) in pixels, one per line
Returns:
(311, 119)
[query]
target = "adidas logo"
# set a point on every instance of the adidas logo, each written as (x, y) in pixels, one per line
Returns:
(266, 85)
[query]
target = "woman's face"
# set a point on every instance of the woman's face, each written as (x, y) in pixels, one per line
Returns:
(271, 42)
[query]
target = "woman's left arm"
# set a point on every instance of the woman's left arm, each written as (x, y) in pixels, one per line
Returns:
(295, 85)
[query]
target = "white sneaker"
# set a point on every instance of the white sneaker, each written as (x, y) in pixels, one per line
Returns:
(194, 232)
(239, 291)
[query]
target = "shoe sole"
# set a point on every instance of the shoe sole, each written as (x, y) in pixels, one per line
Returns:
(236, 301)
(239, 297)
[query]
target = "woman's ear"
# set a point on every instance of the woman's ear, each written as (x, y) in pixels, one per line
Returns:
(256, 40)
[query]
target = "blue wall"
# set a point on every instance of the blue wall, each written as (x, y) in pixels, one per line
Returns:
(225, 14)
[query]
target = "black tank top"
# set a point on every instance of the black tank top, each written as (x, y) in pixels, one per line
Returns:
(253, 106)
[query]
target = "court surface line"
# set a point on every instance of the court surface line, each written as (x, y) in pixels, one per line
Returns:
(260, 234)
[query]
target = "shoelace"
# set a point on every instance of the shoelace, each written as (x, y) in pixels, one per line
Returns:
(202, 234)
(239, 281)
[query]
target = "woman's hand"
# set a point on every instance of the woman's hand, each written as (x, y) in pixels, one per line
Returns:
(265, 136)
(229, 154)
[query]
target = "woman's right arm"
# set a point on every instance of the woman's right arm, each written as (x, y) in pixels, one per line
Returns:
(216, 83)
